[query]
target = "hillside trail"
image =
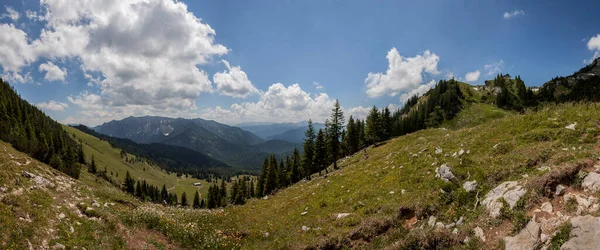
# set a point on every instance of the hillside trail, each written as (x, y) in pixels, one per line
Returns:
(174, 186)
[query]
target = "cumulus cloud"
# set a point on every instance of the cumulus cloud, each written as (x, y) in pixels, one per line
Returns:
(11, 13)
(419, 91)
(494, 68)
(278, 103)
(15, 51)
(52, 105)
(146, 52)
(53, 72)
(403, 73)
(594, 45)
(472, 76)
(514, 13)
(234, 82)
(318, 85)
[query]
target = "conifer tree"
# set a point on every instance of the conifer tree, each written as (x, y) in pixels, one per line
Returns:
(129, 184)
(321, 151)
(352, 135)
(309, 150)
(196, 203)
(372, 128)
(92, 168)
(184, 200)
(295, 175)
(335, 132)
(164, 194)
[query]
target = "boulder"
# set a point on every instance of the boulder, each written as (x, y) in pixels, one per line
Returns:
(470, 186)
(584, 233)
(527, 239)
(560, 190)
(444, 173)
(510, 191)
(591, 182)
(584, 203)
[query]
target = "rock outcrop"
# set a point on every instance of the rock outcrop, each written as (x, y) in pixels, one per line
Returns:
(510, 191)
(584, 233)
(527, 239)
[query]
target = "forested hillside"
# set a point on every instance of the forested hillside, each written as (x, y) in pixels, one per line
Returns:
(31, 131)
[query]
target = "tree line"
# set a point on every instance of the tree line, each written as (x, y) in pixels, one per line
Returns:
(31, 131)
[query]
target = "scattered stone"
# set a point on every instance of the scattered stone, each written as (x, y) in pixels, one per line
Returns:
(27, 174)
(439, 225)
(560, 190)
(266, 197)
(547, 207)
(528, 238)
(460, 221)
(461, 152)
(479, 233)
(391, 192)
(342, 215)
(71, 229)
(544, 168)
(572, 126)
(591, 182)
(584, 233)
(61, 216)
(544, 238)
(29, 245)
(403, 191)
(470, 186)
(444, 173)
(438, 150)
(455, 231)
(267, 234)
(3, 189)
(451, 225)
(304, 213)
(431, 221)
(584, 203)
(305, 228)
(510, 191)
(95, 204)
(58, 246)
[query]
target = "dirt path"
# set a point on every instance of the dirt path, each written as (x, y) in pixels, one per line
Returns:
(176, 184)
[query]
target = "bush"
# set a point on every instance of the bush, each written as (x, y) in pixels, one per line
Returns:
(562, 235)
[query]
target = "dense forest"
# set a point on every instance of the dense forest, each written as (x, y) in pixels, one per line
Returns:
(31, 131)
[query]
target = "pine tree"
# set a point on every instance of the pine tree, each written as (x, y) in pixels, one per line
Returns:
(92, 168)
(271, 180)
(251, 189)
(196, 203)
(309, 150)
(223, 193)
(295, 174)
(164, 194)
(129, 184)
(352, 135)
(184, 200)
(138, 190)
(372, 129)
(321, 151)
(335, 132)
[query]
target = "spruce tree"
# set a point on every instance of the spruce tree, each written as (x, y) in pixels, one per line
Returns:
(196, 203)
(352, 136)
(335, 132)
(184, 200)
(93, 168)
(164, 194)
(309, 150)
(372, 128)
(321, 151)
(129, 184)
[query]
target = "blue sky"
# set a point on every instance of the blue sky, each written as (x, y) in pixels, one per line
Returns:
(166, 58)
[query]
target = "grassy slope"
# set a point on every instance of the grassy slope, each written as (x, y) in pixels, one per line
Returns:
(109, 157)
(398, 165)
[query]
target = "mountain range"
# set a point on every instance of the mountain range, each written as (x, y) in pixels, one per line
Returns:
(231, 145)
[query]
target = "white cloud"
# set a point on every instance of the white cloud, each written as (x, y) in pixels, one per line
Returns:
(52, 105)
(278, 103)
(11, 13)
(53, 72)
(15, 52)
(472, 76)
(449, 75)
(358, 112)
(234, 82)
(514, 13)
(494, 68)
(146, 52)
(594, 45)
(402, 75)
(422, 89)
(318, 85)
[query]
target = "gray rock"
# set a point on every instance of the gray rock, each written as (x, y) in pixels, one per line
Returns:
(451, 225)
(444, 173)
(470, 186)
(455, 231)
(3, 189)
(58, 246)
(431, 221)
(571, 126)
(560, 190)
(547, 207)
(95, 204)
(61, 216)
(305, 228)
(304, 213)
(479, 233)
(341, 215)
(27, 174)
(439, 225)
(528, 238)
(438, 150)
(509, 191)
(460, 221)
(591, 182)
(584, 233)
